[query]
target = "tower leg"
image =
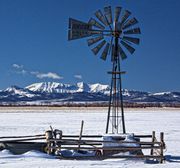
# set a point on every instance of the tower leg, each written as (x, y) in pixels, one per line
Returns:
(116, 97)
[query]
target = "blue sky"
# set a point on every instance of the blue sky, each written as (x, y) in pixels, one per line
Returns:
(34, 46)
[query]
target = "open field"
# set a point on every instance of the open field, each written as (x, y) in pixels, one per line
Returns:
(36, 120)
(77, 109)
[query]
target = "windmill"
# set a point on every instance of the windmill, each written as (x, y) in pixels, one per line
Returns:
(114, 36)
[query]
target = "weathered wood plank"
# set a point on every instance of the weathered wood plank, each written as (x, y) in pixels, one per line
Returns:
(103, 148)
(102, 141)
(27, 136)
(23, 140)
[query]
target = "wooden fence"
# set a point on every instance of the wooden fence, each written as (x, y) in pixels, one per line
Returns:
(54, 140)
(95, 143)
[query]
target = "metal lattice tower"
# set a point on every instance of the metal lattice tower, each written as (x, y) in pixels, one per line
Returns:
(113, 37)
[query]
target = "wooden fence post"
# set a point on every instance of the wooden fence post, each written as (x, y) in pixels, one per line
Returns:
(80, 136)
(49, 136)
(58, 135)
(153, 140)
(162, 147)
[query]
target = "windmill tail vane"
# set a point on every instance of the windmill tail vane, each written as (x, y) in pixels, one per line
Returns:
(114, 36)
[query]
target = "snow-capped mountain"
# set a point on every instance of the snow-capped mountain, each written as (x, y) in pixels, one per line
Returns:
(105, 89)
(53, 87)
(15, 90)
(80, 92)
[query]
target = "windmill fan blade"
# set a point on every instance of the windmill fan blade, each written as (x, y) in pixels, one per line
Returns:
(122, 53)
(117, 13)
(77, 34)
(98, 47)
(76, 24)
(101, 17)
(93, 22)
(108, 14)
(129, 23)
(105, 52)
(125, 16)
(128, 47)
(131, 39)
(133, 31)
(91, 41)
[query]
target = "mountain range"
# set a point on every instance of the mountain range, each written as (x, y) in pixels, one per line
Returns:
(57, 93)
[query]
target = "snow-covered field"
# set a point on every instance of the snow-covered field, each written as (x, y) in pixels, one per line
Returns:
(37, 121)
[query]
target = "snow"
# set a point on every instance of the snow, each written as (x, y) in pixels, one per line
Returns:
(82, 87)
(50, 87)
(99, 88)
(37, 121)
(54, 87)
(161, 93)
(19, 91)
(114, 137)
(73, 153)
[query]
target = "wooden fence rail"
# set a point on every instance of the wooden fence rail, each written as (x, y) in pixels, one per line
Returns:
(103, 141)
(27, 136)
(23, 140)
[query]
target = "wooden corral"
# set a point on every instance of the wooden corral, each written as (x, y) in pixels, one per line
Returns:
(53, 142)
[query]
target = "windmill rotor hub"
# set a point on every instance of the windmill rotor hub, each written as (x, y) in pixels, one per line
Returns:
(117, 33)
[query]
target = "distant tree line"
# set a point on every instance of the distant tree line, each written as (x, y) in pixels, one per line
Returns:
(95, 104)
